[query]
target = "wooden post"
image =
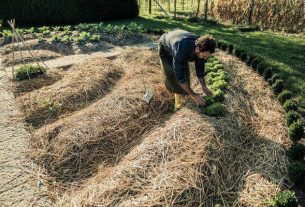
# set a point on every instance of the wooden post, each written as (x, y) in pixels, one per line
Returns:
(251, 13)
(206, 10)
(149, 6)
(197, 12)
(175, 9)
(169, 5)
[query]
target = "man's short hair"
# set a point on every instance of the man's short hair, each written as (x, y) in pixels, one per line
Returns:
(206, 43)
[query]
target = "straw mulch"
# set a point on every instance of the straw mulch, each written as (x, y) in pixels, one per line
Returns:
(50, 77)
(23, 57)
(101, 134)
(85, 82)
(194, 160)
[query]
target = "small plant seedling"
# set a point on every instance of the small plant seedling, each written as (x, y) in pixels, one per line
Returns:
(55, 39)
(52, 106)
(220, 84)
(261, 67)
(66, 39)
(28, 71)
(95, 38)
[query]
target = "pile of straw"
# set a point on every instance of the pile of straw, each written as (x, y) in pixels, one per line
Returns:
(101, 134)
(85, 82)
(194, 160)
(23, 57)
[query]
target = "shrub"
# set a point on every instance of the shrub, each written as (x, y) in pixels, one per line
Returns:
(296, 173)
(55, 39)
(292, 116)
(267, 73)
(219, 95)
(261, 68)
(285, 198)
(28, 71)
(250, 58)
(209, 100)
(215, 110)
(221, 77)
(66, 39)
(220, 84)
(296, 130)
(224, 46)
(95, 38)
(290, 105)
(230, 48)
(219, 43)
(218, 66)
(278, 86)
(255, 63)
(58, 12)
(272, 80)
(296, 151)
(284, 96)
(243, 57)
(237, 52)
(83, 37)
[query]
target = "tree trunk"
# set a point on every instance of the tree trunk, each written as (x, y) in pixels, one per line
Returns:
(175, 9)
(169, 5)
(198, 7)
(206, 10)
(251, 13)
(149, 6)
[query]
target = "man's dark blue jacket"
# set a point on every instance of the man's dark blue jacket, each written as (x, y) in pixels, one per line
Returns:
(181, 45)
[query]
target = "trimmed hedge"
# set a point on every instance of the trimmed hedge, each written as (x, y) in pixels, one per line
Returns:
(63, 12)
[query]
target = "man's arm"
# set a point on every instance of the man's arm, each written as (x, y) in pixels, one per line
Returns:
(200, 67)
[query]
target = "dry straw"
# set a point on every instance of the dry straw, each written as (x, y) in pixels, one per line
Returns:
(85, 82)
(194, 160)
(101, 134)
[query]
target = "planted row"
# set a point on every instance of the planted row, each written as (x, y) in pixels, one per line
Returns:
(296, 170)
(217, 81)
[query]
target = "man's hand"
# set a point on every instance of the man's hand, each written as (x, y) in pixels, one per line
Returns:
(198, 99)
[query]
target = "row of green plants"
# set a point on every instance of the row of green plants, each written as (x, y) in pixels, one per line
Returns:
(296, 170)
(217, 81)
(86, 32)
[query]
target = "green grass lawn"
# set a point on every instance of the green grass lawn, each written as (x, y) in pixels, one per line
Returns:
(285, 52)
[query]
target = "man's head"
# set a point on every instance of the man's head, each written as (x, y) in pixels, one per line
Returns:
(205, 46)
